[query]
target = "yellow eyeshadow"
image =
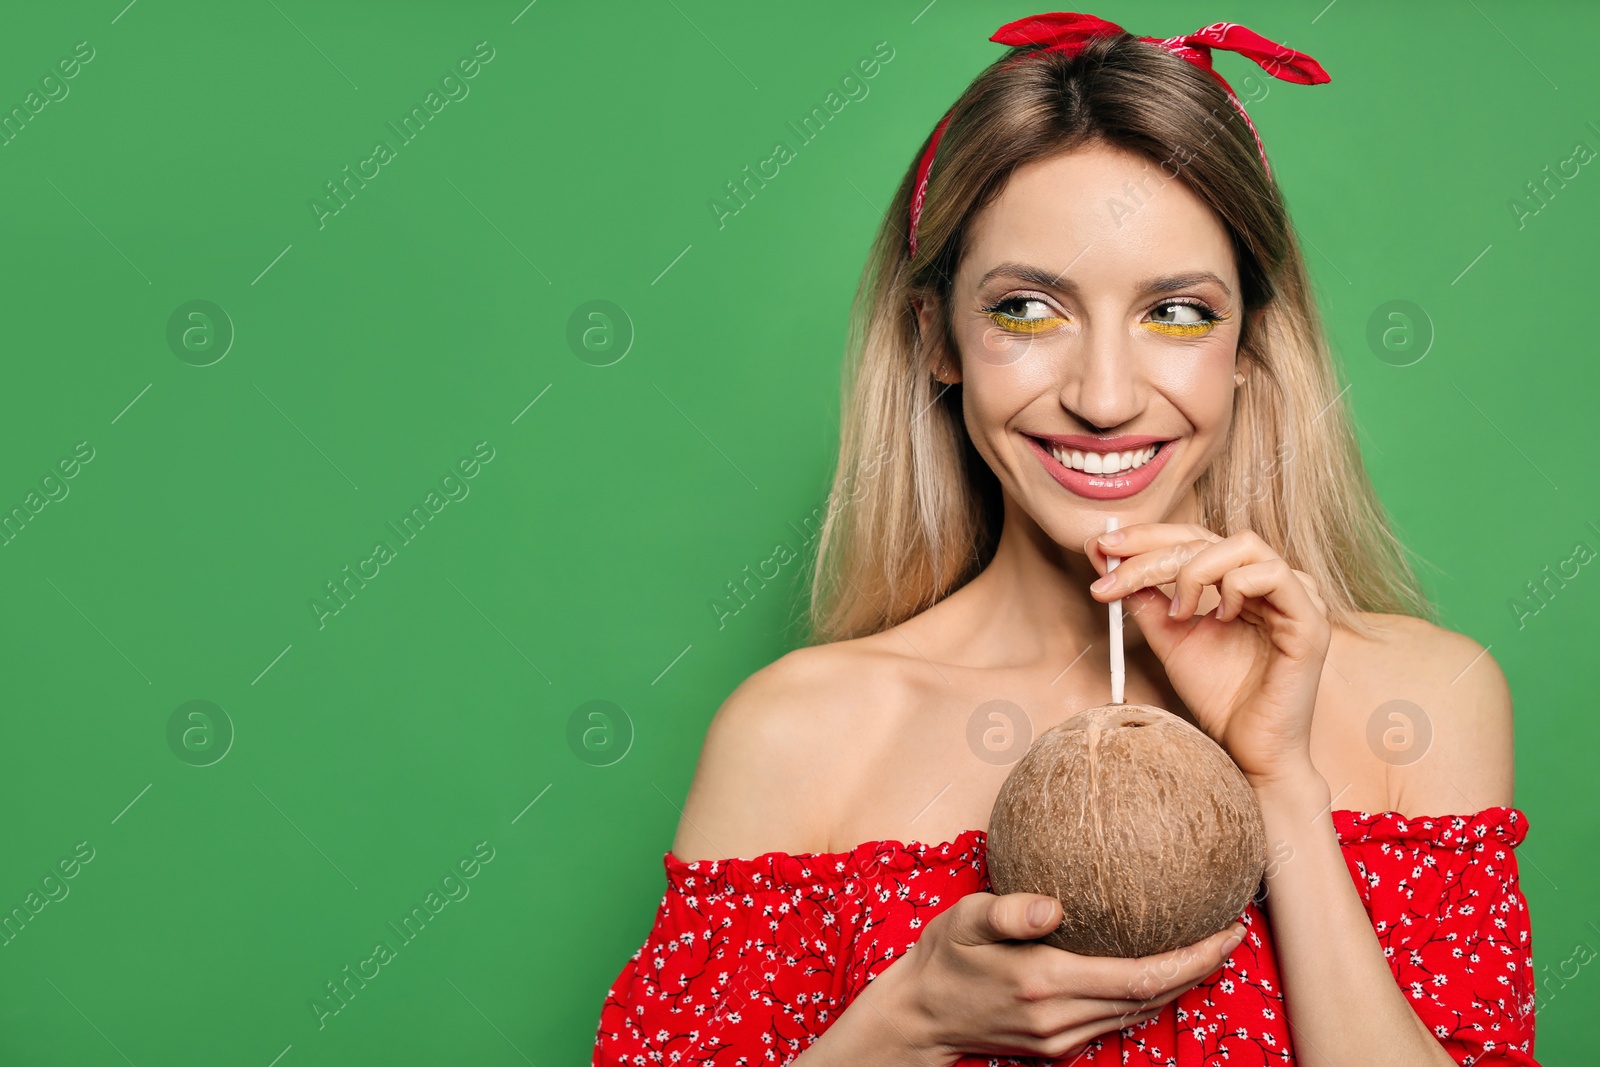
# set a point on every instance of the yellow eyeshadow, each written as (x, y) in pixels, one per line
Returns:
(1023, 325)
(1180, 329)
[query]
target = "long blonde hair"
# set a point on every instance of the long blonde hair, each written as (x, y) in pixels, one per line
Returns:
(914, 512)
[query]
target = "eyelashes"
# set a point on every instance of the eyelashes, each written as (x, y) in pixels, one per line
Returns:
(1199, 327)
(1205, 320)
(1017, 324)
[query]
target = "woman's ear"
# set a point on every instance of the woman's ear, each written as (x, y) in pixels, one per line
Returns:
(931, 346)
(1244, 364)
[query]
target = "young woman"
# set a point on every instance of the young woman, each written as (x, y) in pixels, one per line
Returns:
(1087, 301)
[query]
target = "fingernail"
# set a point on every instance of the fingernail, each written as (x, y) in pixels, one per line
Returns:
(1104, 582)
(1233, 942)
(1039, 913)
(1173, 610)
(1115, 537)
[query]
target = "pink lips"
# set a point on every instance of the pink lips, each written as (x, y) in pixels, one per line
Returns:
(1098, 486)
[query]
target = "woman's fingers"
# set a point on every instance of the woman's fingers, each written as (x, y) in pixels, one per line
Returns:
(1251, 581)
(1257, 572)
(1287, 615)
(1175, 544)
(984, 918)
(1022, 995)
(1154, 567)
(1074, 998)
(1316, 594)
(1267, 580)
(1193, 565)
(1134, 983)
(1143, 537)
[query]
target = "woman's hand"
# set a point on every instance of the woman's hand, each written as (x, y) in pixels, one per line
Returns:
(977, 982)
(1247, 671)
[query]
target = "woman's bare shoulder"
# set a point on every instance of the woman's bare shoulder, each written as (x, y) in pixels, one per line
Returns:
(1427, 711)
(780, 745)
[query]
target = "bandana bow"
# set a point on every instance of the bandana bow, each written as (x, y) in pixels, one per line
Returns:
(1068, 32)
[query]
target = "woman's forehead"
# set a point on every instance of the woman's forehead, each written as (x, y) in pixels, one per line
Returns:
(1101, 212)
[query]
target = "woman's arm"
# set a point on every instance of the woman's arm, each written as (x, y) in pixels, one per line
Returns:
(1342, 1000)
(1251, 671)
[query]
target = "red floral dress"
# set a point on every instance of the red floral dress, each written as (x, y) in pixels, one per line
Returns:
(750, 960)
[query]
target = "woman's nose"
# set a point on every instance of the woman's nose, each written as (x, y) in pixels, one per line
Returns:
(1101, 384)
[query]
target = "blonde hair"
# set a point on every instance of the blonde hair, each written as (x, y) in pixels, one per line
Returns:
(914, 512)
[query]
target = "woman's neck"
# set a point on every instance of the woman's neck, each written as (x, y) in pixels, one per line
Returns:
(1031, 604)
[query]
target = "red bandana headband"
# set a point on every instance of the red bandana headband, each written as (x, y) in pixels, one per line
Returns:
(1067, 31)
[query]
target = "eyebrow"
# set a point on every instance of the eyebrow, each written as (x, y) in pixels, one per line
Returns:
(1045, 279)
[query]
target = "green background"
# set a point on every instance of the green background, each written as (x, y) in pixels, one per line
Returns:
(373, 750)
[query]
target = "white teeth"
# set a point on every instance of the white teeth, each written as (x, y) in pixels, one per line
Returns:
(1104, 463)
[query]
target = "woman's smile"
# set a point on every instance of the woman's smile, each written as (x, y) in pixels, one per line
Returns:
(1108, 468)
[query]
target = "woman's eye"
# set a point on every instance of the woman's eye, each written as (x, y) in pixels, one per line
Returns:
(1182, 319)
(1179, 313)
(1023, 313)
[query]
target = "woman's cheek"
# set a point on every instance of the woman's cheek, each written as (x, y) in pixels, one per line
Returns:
(1200, 387)
(990, 398)
(1007, 362)
(997, 347)
(994, 395)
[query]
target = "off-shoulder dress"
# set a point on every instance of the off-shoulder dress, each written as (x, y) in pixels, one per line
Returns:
(750, 960)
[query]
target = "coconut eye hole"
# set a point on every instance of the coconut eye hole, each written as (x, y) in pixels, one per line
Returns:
(1133, 724)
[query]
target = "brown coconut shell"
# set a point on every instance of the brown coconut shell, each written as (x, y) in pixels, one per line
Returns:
(1140, 824)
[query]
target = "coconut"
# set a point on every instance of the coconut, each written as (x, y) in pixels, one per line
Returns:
(1140, 824)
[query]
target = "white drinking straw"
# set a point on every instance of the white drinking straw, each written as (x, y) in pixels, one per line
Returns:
(1118, 671)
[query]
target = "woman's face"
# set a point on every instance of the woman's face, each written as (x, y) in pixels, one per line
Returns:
(1097, 314)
